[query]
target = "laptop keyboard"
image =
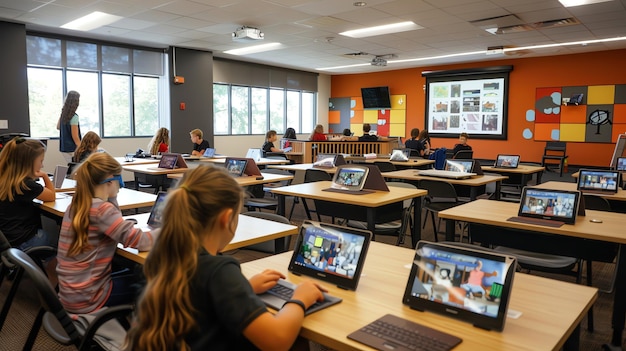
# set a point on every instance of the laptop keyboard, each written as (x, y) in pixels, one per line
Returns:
(391, 332)
(285, 293)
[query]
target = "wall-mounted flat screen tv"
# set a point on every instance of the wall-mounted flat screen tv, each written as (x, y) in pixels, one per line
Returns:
(376, 98)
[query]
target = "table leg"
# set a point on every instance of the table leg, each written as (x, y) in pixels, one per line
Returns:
(539, 174)
(281, 205)
(619, 301)
(371, 221)
(473, 192)
(498, 190)
(416, 233)
(450, 229)
(573, 341)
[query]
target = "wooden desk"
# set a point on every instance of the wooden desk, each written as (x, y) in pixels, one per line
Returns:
(525, 171)
(126, 199)
(371, 202)
(251, 180)
(473, 182)
(549, 315)
(619, 196)
(250, 231)
(136, 161)
(260, 162)
(411, 163)
(576, 240)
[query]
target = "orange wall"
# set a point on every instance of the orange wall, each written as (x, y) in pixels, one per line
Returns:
(599, 68)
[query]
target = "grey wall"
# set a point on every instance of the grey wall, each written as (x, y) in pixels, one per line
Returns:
(197, 94)
(14, 90)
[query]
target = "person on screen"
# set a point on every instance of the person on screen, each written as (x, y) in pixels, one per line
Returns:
(198, 299)
(318, 133)
(199, 145)
(366, 134)
(416, 146)
(462, 145)
(475, 281)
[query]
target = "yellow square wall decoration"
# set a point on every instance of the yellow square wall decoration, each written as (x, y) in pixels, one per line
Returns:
(397, 116)
(370, 116)
(601, 95)
(397, 129)
(573, 132)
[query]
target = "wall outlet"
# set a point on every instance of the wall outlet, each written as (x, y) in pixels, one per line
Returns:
(4, 124)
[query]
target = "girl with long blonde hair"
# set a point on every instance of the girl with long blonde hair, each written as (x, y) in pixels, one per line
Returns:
(21, 161)
(160, 142)
(87, 146)
(91, 229)
(197, 299)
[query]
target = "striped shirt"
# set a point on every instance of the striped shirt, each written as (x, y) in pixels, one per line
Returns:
(85, 279)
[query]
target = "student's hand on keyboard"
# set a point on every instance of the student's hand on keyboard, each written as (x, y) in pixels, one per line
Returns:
(309, 292)
(265, 280)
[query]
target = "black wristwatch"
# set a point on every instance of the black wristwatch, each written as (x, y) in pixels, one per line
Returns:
(297, 302)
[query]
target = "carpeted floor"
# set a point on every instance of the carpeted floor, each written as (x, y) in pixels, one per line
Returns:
(25, 306)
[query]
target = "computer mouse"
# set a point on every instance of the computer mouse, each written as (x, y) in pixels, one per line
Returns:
(132, 220)
(593, 220)
(259, 178)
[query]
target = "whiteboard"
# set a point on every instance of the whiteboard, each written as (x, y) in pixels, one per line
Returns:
(619, 150)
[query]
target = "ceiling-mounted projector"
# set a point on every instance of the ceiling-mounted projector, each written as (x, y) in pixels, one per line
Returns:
(248, 33)
(379, 61)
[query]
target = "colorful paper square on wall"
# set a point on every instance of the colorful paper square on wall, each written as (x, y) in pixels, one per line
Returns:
(391, 122)
(548, 105)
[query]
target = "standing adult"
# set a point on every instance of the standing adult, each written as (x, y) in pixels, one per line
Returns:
(68, 126)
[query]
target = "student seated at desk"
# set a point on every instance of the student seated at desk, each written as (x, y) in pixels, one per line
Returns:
(268, 145)
(195, 297)
(160, 142)
(88, 145)
(462, 145)
(91, 229)
(416, 146)
(21, 161)
(199, 145)
(318, 133)
(366, 134)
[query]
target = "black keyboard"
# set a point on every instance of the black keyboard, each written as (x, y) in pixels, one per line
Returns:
(286, 292)
(394, 333)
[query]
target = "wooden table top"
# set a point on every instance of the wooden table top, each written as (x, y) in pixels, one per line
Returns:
(619, 196)
(136, 161)
(250, 231)
(550, 309)
(303, 167)
(410, 174)
(413, 162)
(521, 169)
(153, 169)
(249, 180)
(496, 213)
(375, 199)
(126, 199)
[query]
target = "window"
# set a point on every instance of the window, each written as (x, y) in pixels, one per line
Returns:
(255, 110)
(119, 87)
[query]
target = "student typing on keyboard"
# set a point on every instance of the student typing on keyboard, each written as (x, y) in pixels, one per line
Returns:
(196, 298)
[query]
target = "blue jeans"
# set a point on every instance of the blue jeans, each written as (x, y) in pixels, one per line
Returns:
(40, 239)
(125, 288)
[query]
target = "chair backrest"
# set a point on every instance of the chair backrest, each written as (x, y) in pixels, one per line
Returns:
(464, 154)
(438, 190)
(406, 203)
(268, 215)
(594, 202)
(47, 295)
(279, 172)
(316, 175)
(555, 147)
(385, 166)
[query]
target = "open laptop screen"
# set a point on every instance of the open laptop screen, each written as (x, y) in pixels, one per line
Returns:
(156, 214)
(557, 205)
(465, 166)
(350, 178)
(236, 167)
(507, 161)
(209, 152)
(598, 181)
(473, 285)
(621, 164)
(334, 254)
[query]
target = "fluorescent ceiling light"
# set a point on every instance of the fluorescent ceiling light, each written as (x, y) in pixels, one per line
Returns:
(572, 3)
(380, 30)
(483, 52)
(91, 21)
(254, 49)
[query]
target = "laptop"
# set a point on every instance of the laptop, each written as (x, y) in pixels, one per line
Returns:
(507, 161)
(250, 167)
(350, 178)
(621, 164)
(453, 294)
(235, 166)
(547, 207)
(254, 154)
(171, 161)
(285, 145)
(457, 165)
(442, 173)
(156, 213)
(332, 254)
(325, 161)
(401, 155)
(60, 172)
(209, 152)
(598, 181)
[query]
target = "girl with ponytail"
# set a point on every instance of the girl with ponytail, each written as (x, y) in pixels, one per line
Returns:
(91, 229)
(197, 299)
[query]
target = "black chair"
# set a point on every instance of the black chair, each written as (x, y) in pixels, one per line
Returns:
(310, 176)
(55, 319)
(397, 227)
(441, 196)
(38, 254)
(385, 166)
(555, 151)
(269, 246)
(608, 252)
(253, 203)
(464, 154)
